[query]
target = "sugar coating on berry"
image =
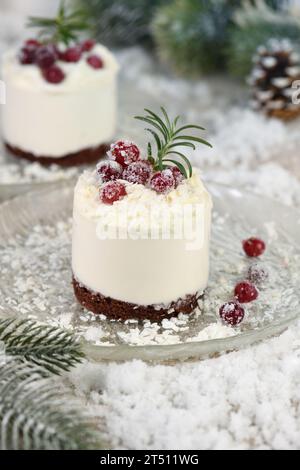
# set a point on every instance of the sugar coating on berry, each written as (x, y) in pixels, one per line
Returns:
(45, 56)
(112, 192)
(178, 176)
(95, 61)
(163, 181)
(254, 247)
(138, 172)
(109, 171)
(245, 292)
(257, 274)
(124, 152)
(232, 313)
(32, 43)
(54, 75)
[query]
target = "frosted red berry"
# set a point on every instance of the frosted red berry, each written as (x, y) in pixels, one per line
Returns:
(124, 153)
(45, 56)
(27, 56)
(178, 176)
(254, 247)
(73, 54)
(95, 61)
(112, 192)
(163, 181)
(257, 274)
(32, 43)
(109, 171)
(232, 313)
(54, 74)
(138, 172)
(245, 292)
(88, 45)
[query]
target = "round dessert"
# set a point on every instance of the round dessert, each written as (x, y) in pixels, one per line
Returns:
(60, 97)
(141, 231)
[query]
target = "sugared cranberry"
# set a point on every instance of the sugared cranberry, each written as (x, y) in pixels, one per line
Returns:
(163, 181)
(54, 74)
(88, 45)
(109, 171)
(254, 247)
(232, 313)
(138, 172)
(124, 153)
(112, 192)
(32, 43)
(257, 274)
(45, 56)
(95, 61)
(245, 292)
(27, 56)
(178, 176)
(73, 54)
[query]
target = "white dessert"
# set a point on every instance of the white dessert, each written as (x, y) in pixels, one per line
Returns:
(58, 120)
(140, 271)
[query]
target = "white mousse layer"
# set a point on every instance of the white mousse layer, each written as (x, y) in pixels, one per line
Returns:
(139, 271)
(54, 120)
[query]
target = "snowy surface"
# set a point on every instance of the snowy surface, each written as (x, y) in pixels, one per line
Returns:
(243, 400)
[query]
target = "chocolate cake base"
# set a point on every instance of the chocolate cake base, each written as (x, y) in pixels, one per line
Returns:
(119, 310)
(285, 114)
(83, 157)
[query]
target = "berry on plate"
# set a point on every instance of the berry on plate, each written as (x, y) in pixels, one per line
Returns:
(245, 292)
(257, 274)
(232, 313)
(254, 247)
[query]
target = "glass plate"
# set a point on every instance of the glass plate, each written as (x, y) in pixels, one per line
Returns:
(35, 242)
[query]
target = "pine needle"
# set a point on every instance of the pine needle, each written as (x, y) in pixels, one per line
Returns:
(36, 415)
(53, 349)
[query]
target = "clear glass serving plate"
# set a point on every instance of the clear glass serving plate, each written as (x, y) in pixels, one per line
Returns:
(35, 282)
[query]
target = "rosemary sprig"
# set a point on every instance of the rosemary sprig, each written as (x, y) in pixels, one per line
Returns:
(64, 28)
(169, 139)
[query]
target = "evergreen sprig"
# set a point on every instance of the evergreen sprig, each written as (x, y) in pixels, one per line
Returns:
(36, 415)
(64, 28)
(53, 349)
(168, 138)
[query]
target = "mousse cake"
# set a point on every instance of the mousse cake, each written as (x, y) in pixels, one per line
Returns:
(60, 95)
(125, 264)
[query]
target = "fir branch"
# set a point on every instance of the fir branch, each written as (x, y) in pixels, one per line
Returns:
(64, 28)
(168, 137)
(35, 415)
(54, 349)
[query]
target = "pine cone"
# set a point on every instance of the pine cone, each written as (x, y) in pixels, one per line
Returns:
(276, 67)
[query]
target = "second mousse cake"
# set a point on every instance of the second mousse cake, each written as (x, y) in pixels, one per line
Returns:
(61, 95)
(133, 272)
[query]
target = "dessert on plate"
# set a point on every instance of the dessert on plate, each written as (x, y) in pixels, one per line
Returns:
(60, 94)
(141, 228)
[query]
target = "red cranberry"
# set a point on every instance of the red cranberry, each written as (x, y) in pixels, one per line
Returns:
(95, 61)
(232, 313)
(54, 74)
(178, 176)
(73, 54)
(138, 172)
(45, 56)
(109, 171)
(254, 247)
(245, 292)
(257, 274)
(124, 152)
(112, 192)
(32, 43)
(27, 56)
(162, 181)
(88, 45)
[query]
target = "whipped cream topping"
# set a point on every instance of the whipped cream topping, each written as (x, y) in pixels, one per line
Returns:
(79, 75)
(89, 204)
(55, 120)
